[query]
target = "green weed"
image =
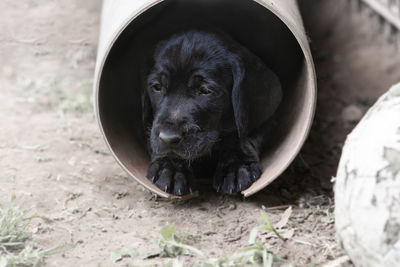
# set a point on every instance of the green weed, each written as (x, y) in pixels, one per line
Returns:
(16, 245)
(173, 246)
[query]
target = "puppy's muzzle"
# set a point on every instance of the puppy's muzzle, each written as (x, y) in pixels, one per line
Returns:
(170, 138)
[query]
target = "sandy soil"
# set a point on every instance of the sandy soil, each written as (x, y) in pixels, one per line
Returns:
(53, 158)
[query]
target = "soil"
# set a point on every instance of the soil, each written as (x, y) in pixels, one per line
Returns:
(53, 157)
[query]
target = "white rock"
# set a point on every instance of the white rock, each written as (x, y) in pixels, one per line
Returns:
(352, 114)
(367, 188)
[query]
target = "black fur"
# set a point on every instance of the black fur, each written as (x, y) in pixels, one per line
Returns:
(206, 94)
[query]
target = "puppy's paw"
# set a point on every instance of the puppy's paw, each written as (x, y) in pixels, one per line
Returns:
(232, 177)
(171, 176)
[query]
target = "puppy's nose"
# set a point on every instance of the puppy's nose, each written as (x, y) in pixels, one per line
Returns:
(170, 138)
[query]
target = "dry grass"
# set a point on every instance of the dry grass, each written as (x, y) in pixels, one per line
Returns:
(173, 246)
(17, 247)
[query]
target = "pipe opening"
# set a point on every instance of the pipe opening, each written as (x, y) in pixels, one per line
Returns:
(247, 22)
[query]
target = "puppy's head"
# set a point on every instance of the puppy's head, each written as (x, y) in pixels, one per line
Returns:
(189, 91)
(194, 93)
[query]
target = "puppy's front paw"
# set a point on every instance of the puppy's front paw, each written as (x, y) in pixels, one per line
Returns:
(171, 176)
(234, 176)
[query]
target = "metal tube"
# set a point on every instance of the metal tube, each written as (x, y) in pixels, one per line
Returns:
(272, 29)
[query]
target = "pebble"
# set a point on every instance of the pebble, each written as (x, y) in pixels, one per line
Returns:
(352, 113)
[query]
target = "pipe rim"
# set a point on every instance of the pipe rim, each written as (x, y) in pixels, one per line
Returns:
(309, 64)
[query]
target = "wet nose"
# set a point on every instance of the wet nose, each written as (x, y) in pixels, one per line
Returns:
(170, 138)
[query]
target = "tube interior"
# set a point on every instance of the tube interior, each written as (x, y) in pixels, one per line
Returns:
(247, 22)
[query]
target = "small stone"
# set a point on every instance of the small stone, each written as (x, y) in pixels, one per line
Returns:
(352, 114)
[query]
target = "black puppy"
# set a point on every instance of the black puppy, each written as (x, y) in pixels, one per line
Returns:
(207, 94)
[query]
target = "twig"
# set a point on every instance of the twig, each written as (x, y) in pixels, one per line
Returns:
(281, 207)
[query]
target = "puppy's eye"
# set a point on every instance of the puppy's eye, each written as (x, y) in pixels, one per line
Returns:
(204, 90)
(156, 87)
(197, 79)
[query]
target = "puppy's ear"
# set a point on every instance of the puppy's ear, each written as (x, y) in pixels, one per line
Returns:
(239, 102)
(256, 91)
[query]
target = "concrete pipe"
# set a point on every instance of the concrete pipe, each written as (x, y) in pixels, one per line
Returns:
(272, 29)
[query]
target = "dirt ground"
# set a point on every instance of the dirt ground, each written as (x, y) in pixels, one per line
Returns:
(52, 155)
